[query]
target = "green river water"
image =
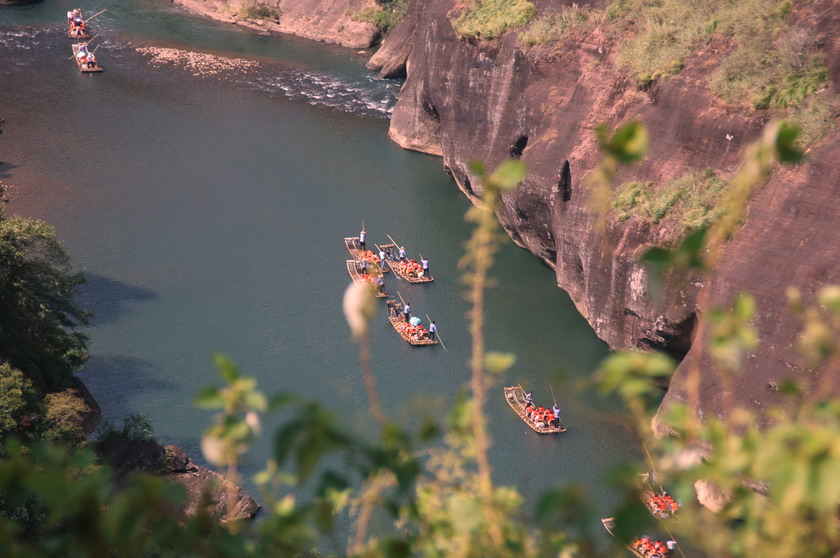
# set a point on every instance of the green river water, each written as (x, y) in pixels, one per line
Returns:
(208, 213)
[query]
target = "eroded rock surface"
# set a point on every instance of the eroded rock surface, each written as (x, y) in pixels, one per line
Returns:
(227, 501)
(496, 99)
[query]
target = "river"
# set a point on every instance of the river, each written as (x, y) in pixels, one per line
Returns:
(208, 212)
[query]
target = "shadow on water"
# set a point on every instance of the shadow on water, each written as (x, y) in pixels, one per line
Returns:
(132, 374)
(107, 298)
(5, 168)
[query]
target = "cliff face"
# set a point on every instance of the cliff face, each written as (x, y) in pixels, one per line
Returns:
(320, 20)
(496, 99)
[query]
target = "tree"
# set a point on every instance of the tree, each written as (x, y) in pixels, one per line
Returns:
(38, 314)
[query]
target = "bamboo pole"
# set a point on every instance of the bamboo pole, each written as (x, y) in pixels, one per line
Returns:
(552, 394)
(96, 14)
(438, 336)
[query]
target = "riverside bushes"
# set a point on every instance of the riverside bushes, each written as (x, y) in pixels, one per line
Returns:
(256, 9)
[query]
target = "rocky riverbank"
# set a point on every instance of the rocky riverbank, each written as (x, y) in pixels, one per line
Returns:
(320, 20)
(81, 413)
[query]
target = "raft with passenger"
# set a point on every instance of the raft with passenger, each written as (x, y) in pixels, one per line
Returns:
(355, 272)
(644, 546)
(406, 268)
(515, 397)
(77, 26)
(661, 504)
(355, 249)
(87, 63)
(412, 333)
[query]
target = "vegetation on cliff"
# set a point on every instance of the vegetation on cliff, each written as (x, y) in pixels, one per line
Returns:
(759, 56)
(552, 26)
(385, 15)
(690, 201)
(766, 61)
(488, 19)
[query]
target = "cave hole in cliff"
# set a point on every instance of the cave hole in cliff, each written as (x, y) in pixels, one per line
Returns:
(468, 186)
(519, 146)
(564, 182)
(430, 109)
(676, 341)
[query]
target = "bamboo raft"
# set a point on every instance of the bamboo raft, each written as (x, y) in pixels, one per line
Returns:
(648, 493)
(355, 249)
(81, 35)
(393, 259)
(515, 396)
(83, 67)
(396, 319)
(609, 525)
(357, 277)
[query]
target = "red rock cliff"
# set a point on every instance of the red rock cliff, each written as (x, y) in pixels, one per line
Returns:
(495, 99)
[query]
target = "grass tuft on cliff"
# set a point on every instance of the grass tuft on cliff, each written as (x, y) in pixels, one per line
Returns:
(553, 26)
(488, 19)
(815, 118)
(385, 15)
(690, 201)
(768, 63)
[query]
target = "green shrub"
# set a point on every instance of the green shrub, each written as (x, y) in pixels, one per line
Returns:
(255, 9)
(492, 18)
(792, 89)
(136, 428)
(18, 398)
(553, 26)
(64, 417)
(385, 16)
(815, 118)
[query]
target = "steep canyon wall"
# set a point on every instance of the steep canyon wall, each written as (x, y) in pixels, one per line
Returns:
(493, 99)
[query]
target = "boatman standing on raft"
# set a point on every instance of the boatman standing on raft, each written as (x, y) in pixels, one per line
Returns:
(402, 253)
(432, 330)
(362, 240)
(529, 400)
(556, 411)
(425, 263)
(406, 312)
